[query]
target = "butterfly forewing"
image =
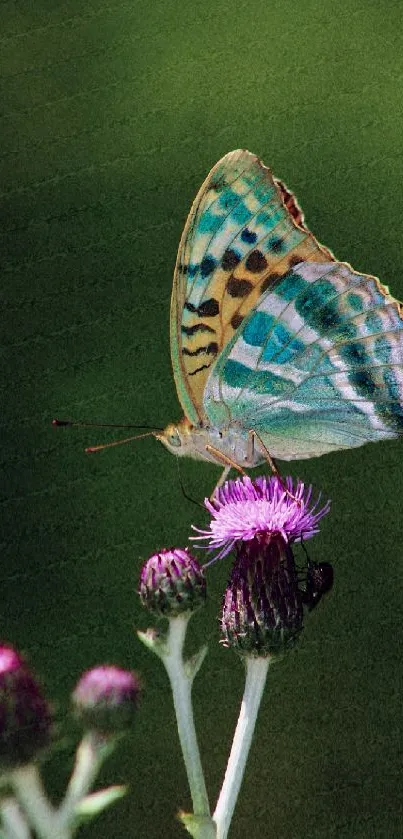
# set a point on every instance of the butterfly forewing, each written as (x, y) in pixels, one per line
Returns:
(316, 366)
(243, 233)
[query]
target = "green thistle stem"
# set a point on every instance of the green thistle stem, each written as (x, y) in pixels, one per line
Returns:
(90, 755)
(12, 820)
(29, 791)
(48, 822)
(181, 675)
(181, 680)
(256, 673)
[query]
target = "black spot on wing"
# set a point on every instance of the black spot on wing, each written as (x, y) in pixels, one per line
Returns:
(210, 349)
(295, 260)
(277, 245)
(354, 353)
(198, 327)
(203, 367)
(218, 183)
(238, 288)
(363, 382)
(270, 281)
(248, 236)
(207, 309)
(207, 266)
(236, 320)
(256, 262)
(230, 260)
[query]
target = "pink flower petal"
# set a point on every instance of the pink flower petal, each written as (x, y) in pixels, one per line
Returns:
(242, 509)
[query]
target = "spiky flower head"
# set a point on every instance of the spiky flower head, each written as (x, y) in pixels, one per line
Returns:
(243, 509)
(25, 716)
(262, 612)
(106, 699)
(172, 583)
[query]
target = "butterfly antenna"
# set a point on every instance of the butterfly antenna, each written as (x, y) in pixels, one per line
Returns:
(91, 449)
(84, 424)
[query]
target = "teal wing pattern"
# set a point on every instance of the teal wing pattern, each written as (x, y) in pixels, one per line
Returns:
(244, 231)
(316, 366)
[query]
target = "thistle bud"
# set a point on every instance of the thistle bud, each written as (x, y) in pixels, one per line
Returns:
(172, 583)
(262, 609)
(106, 699)
(25, 717)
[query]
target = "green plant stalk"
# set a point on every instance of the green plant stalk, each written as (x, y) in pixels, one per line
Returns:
(256, 673)
(181, 680)
(90, 755)
(28, 788)
(12, 820)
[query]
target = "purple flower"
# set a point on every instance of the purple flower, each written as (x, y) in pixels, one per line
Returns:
(25, 715)
(172, 583)
(106, 698)
(262, 612)
(244, 509)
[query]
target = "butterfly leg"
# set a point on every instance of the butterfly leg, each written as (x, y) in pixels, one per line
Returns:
(252, 436)
(272, 464)
(227, 463)
(223, 478)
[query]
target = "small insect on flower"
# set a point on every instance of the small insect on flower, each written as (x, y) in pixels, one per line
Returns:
(318, 581)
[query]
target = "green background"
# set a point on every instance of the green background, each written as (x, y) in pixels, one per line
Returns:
(111, 116)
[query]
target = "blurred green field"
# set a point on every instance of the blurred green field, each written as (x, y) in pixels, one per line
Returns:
(111, 116)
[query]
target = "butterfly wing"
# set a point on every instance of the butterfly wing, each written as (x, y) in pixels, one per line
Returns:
(316, 366)
(244, 230)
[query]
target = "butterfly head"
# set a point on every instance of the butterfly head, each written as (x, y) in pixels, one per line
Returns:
(185, 440)
(171, 438)
(177, 437)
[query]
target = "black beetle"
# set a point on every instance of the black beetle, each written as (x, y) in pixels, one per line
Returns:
(319, 580)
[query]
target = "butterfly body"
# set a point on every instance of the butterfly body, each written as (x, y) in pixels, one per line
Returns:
(215, 445)
(275, 345)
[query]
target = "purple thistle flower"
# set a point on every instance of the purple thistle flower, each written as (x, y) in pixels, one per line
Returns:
(244, 509)
(106, 698)
(172, 583)
(262, 612)
(25, 715)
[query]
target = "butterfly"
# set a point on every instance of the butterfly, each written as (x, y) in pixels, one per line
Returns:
(277, 348)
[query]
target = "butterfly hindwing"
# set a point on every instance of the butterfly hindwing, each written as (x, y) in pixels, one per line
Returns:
(316, 365)
(244, 231)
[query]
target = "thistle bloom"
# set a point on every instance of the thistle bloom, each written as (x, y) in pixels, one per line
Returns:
(244, 509)
(262, 612)
(172, 583)
(106, 698)
(25, 715)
